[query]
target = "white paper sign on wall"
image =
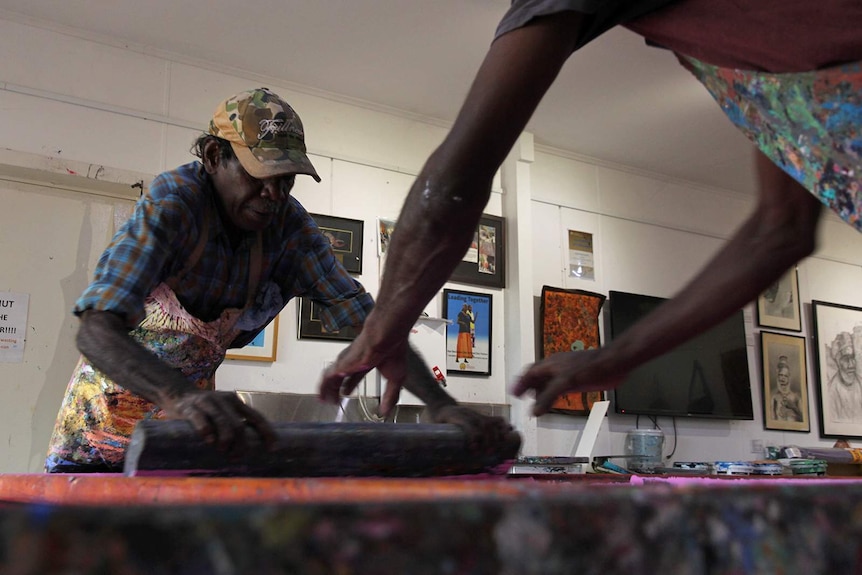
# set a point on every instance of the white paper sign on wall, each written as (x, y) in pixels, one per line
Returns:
(13, 326)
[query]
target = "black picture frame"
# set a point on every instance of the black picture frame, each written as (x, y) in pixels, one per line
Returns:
(838, 332)
(779, 306)
(346, 237)
(310, 326)
(479, 333)
(484, 263)
(785, 400)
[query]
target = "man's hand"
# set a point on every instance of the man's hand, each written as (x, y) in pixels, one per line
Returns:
(483, 431)
(355, 361)
(565, 372)
(220, 417)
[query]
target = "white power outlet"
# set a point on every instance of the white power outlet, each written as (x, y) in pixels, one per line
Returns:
(757, 446)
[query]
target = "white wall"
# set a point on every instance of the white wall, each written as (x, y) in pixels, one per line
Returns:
(101, 111)
(650, 236)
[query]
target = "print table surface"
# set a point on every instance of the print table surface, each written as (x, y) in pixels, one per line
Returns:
(111, 524)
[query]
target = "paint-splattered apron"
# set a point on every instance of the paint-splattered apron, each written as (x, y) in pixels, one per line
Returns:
(807, 123)
(97, 416)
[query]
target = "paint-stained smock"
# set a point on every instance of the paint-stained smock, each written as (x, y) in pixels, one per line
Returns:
(172, 273)
(794, 94)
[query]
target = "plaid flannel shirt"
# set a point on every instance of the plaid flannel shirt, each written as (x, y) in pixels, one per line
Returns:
(154, 244)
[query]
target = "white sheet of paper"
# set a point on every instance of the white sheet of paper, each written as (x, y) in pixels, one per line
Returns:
(588, 437)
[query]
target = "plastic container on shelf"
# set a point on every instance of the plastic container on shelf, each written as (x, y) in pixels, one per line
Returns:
(644, 450)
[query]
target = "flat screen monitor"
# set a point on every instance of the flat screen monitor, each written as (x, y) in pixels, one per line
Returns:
(705, 377)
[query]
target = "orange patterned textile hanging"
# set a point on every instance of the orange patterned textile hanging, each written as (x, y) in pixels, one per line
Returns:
(570, 322)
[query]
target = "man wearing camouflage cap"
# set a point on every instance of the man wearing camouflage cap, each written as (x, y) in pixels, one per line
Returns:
(212, 253)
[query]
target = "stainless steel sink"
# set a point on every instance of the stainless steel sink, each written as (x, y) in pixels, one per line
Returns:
(304, 408)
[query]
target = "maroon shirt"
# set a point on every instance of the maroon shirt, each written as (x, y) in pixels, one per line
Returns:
(765, 35)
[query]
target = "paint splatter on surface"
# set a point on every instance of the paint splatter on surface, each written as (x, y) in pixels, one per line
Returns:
(722, 526)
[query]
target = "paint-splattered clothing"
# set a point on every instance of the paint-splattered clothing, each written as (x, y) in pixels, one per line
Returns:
(97, 416)
(806, 123)
(794, 93)
(155, 273)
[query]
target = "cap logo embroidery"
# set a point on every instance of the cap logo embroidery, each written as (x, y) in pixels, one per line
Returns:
(274, 127)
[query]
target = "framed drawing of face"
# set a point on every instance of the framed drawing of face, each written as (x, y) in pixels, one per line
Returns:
(778, 306)
(838, 339)
(785, 382)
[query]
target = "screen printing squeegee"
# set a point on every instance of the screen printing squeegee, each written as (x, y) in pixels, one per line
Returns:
(172, 447)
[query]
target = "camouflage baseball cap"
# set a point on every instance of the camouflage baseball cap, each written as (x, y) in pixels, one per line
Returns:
(265, 133)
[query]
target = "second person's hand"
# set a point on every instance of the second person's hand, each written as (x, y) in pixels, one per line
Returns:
(561, 373)
(355, 361)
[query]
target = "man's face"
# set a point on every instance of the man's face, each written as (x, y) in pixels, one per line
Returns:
(784, 380)
(847, 367)
(249, 203)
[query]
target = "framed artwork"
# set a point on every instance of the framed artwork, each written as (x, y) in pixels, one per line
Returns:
(468, 337)
(345, 235)
(837, 340)
(385, 227)
(569, 321)
(484, 264)
(582, 263)
(310, 326)
(261, 348)
(785, 382)
(778, 306)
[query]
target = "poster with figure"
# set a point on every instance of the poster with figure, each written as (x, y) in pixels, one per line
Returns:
(468, 337)
(838, 341)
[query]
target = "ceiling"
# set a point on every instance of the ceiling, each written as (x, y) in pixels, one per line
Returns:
(616, 100)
